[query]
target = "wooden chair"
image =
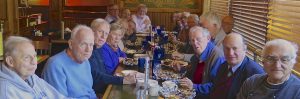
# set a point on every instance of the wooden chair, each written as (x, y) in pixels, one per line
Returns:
(41, 47)
(43, 50)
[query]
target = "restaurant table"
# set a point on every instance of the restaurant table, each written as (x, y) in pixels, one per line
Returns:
(123, 91)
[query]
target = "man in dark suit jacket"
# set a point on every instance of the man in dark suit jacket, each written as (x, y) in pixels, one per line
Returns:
(232, 73)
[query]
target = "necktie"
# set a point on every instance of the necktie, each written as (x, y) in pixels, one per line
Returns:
(229, 72)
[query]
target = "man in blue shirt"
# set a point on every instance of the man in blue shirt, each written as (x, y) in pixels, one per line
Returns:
(100, 77)
(69, 71)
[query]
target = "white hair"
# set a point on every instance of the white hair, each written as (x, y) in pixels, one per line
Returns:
(12, 42)
(204, 31)
(212, 18)
(77, 29)
(195, 18)
(142, 6)
(281, 42)
(98, 22)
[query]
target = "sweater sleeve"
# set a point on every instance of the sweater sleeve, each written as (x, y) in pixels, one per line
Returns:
(203, 89)
(55, 76)
(245, 89)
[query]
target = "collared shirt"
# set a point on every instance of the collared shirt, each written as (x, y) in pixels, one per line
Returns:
(235, 67)
(110, 18)
(219, 39)
(140, 23)
(111, 58)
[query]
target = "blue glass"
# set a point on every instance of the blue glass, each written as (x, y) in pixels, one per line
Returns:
(159, 53)
(141, 64)
(155, 68)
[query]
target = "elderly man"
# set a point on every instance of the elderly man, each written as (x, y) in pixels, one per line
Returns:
(113, 13)
(185, 50)
(141, 20)
(206, 60)
(17, 78)
(100, 77)
(232, 73)
(279, 58)
(227, 24)
(69, 71)
(212, 22)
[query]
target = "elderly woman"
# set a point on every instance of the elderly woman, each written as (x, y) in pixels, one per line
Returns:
(279, 57)
(17, 78)
(100, 77)
(112, 54)
(125, 14)
(141, 20)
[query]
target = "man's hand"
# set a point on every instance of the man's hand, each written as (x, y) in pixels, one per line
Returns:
(121, 59)
(177, 56)
(129, 79)
(185, 82)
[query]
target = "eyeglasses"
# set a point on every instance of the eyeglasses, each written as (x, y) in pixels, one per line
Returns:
(273, 59)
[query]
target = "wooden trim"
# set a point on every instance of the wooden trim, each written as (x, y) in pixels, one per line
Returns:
(169, 10)
(107, 92)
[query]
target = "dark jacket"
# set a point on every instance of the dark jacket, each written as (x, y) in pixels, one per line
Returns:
(246, 70)
(100, 78)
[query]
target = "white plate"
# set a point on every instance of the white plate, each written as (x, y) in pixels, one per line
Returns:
(127, 72)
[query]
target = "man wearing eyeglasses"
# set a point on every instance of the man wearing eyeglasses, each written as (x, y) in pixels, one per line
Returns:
(279, 58)
(112, 13)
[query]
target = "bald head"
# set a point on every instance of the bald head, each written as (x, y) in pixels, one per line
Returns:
(234, 48)
(227, 24)
(81, 43)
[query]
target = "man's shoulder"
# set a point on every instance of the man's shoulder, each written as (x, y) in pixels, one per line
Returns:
(251, 65)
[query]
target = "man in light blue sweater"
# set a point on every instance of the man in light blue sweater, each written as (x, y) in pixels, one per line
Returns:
(17, 78)
(69, 71)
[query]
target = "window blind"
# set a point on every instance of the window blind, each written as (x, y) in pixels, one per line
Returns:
(284, 22)
(250, 19)
(220, 7)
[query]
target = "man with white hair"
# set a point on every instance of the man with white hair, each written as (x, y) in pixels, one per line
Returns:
(212, 22)
(17, 78)
(279, 58)
(101, 30)
(207, 58)
(69, 71)
(232, 73)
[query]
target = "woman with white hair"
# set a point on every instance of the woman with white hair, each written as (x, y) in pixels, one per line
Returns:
(141, 20)
(279, 58)
(111, 52)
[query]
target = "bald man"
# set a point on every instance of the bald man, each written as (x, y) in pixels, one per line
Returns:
(227, 24)
(232, 73)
